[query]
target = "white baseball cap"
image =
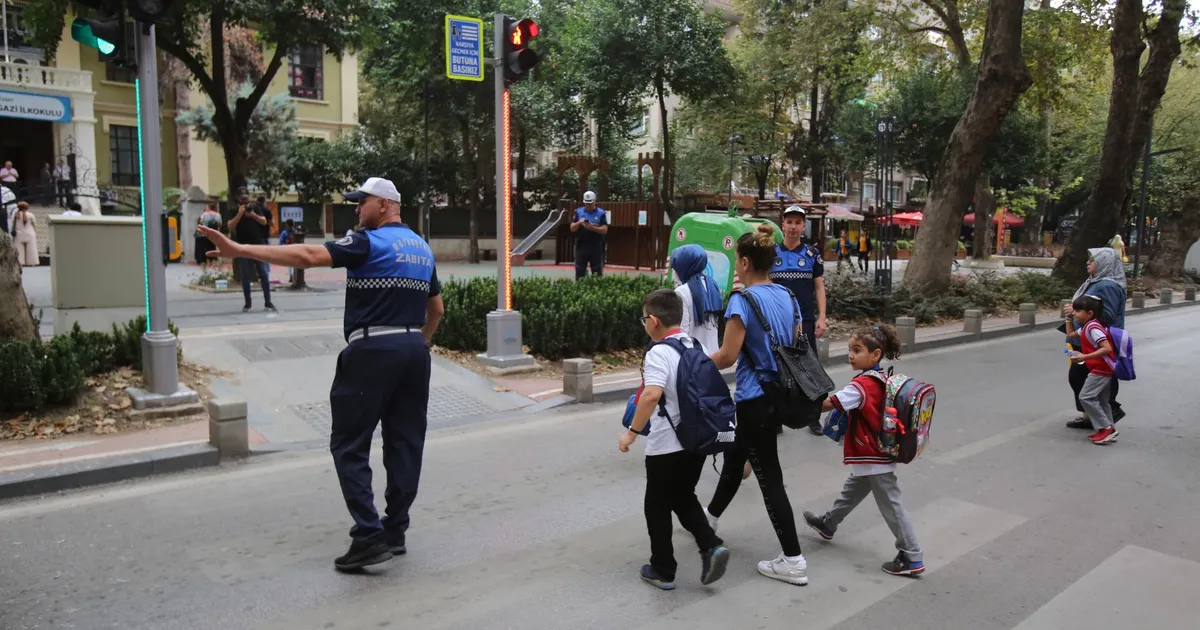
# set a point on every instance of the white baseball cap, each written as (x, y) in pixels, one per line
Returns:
(375, 187)
(589, 197)
(795, 210)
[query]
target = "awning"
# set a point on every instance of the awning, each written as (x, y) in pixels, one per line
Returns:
(1010, 219)
(841, 212)
(907, 219)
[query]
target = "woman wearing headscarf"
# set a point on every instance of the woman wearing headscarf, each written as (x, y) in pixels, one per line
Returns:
(1106, 280)
(702, 300)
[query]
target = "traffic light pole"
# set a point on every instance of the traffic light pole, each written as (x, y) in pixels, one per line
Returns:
(504, 350)
(159, 363)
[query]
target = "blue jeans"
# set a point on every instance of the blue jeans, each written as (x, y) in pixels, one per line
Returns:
(250, 267)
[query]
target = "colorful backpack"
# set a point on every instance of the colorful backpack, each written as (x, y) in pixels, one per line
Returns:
(1122, 363)
(904, 437)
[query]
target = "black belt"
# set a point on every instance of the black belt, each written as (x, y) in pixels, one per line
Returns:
(366, 332)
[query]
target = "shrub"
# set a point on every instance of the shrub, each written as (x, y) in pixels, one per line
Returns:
(21, 375)
(62, 376)
(559, 318)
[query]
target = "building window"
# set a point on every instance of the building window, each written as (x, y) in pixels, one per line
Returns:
(868, 190)
(115, 73)
(640, 126)
(893, 193)
(305, 72)
(123, 148)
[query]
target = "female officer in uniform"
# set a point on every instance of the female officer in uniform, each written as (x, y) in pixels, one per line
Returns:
(393, 306)
(798, 266)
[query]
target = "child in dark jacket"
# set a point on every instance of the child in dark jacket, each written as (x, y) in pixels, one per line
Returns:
(871, 470)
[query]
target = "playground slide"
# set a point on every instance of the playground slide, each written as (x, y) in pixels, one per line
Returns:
(525, 246)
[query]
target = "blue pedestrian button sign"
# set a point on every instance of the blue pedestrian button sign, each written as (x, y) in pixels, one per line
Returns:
(464, 48)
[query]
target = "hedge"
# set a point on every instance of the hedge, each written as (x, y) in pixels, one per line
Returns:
(34, 373)
(559, 318)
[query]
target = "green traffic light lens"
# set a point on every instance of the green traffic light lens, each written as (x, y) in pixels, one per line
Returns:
(81, 31)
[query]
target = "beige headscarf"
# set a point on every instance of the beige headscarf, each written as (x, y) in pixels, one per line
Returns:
(1108, 267)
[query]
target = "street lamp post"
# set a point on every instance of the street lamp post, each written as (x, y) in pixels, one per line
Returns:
(1141, 226)
(732, 141)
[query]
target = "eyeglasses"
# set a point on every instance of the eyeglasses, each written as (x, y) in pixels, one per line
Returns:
(644, 319)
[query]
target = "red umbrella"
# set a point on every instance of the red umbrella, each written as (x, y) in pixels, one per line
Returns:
(907, 219)
(1010, 219)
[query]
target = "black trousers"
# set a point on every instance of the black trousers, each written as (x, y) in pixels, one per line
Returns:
(756, 441)
(380, 379)
(589, 255)
(863, 257)
(250, 267)
(671, 488)
(1077, 374)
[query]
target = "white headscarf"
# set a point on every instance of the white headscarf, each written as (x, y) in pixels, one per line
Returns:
(1108, 267)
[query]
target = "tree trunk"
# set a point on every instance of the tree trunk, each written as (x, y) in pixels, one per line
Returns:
(15, 322)
(183, 102)
(1131, 108)
(1180, 228)
(1033, 221)
(985, 209)
(472, 194)
(816, 161)
(1001, 79)
(668, 184)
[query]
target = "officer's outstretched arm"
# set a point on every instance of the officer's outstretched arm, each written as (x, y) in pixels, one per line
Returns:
(298, 256)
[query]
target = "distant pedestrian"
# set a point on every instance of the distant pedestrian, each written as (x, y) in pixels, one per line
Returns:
(73, 210)
(62, 183)
(285, 238)
(590, 227)
(210, 219)
(871, 470)
(671, 472)
(1106, 280)
(864, 250)
(702, 300)
(844, 250)
(393, 306)
(247, 226)
(9, 175)
(25, 235)
(1097, 344)
(758, 421)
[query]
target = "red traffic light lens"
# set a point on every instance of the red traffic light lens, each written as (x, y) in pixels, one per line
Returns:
(531, 29)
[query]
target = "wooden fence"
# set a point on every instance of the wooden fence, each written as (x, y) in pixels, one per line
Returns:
(638, 233)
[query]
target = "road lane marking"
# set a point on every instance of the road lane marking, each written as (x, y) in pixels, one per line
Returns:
(1000, 439)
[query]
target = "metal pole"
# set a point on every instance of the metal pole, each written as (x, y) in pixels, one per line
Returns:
(425, 228)
(501, 166)
(730, 202)
(1137, 256)
(159, 365)
(5, 27)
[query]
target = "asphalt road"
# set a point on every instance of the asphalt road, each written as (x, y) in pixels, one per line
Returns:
(537, 523)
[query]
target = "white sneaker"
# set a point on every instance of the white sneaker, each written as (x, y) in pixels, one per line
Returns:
(712, 520)
(784, 570)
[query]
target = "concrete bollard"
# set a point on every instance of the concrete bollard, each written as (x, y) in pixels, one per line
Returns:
(973, 322)
(823, 350)
(1139, 300)
(577, 379)
(1189, 294)
(228, 429)
(1028, 314)
(907, 327)
(1167, 297)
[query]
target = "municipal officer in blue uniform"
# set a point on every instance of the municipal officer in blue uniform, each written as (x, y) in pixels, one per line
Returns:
(393, 306)
(590, 226)
(798, 266)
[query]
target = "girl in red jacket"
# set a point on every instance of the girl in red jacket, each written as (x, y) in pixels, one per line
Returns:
(871, 471)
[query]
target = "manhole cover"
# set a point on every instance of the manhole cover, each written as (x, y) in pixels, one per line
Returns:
(446, 402)
(278, 348)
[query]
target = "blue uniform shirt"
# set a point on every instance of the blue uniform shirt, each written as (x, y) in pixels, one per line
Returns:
(390, 275)
(780, 310)
(798, 270)
(596, 217)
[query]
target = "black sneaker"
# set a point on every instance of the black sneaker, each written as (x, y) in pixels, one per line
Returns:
(395, 544)
(270, 307)
(713, 564)
(903, 566)
(816, 428)
(818, 525)
(1080, 423)
(652, 577)
(362, 555)
(246, 308)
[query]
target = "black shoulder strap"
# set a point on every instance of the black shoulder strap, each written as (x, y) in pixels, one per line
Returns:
(758, 314)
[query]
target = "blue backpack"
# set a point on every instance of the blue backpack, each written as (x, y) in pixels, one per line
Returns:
(1121, 361)
(707, 416)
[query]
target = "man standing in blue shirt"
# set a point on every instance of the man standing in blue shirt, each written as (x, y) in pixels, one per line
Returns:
(393, 306)
(590, 226)
(798, 266)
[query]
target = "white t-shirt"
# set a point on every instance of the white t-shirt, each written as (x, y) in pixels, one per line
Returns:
(851, 398)
(661, 368)
(8, 175)
(705, 333)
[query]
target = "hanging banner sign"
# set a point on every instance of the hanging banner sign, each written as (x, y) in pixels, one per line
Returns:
(35, 106)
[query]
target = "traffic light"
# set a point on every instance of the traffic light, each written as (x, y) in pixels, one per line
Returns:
(105, 32)
(152, 11)
(518, 59)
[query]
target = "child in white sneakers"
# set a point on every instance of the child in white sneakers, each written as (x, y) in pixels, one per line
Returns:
(671, 471)
(871, 470)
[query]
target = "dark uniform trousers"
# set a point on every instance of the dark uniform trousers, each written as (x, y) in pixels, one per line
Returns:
(380, 379)
(589, 254)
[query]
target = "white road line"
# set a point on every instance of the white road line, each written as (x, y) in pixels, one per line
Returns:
(998, 439)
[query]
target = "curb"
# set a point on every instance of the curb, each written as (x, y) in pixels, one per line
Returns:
(70, 476)
(621, 392)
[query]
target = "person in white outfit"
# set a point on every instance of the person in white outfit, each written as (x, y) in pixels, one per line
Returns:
(25, 231)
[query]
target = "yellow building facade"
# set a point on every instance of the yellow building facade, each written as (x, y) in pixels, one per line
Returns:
(78, 105)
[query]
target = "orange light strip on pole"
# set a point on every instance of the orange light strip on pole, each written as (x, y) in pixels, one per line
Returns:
(507, 236)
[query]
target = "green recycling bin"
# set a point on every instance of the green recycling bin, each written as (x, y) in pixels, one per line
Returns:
(718, 235)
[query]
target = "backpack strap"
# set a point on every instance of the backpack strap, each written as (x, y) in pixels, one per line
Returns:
(675, 344)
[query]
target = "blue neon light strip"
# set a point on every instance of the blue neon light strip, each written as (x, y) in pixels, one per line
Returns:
(137, 87)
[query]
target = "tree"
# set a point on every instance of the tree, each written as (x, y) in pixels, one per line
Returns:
(15, 319)
(282, 25)
(1134, 98)
(1172, 191)
(620, 50)
(1000, 80)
